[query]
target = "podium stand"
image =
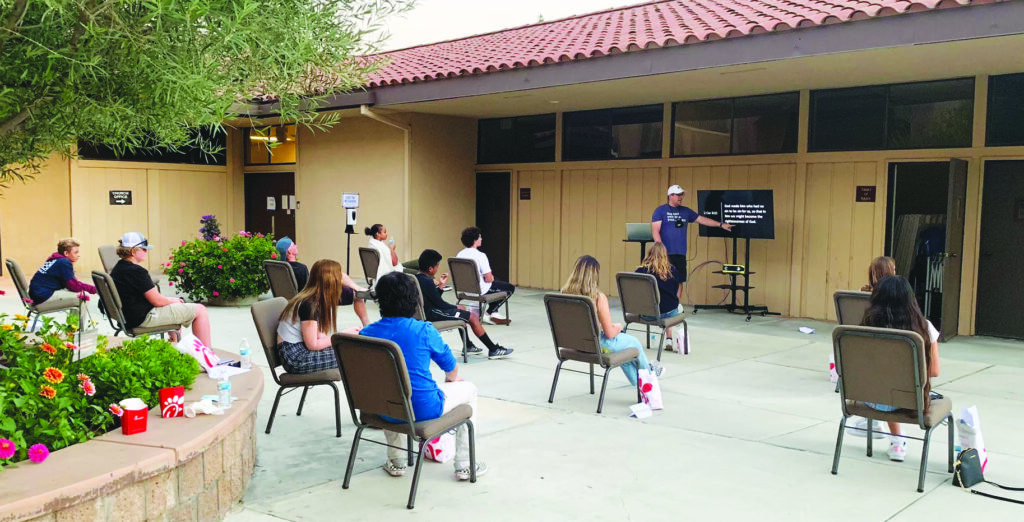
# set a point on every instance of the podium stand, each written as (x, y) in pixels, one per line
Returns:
(733, 287)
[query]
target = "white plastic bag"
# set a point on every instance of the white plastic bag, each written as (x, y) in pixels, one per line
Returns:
(442, 448)
(650, 390)
(191, 345)
(969, 431)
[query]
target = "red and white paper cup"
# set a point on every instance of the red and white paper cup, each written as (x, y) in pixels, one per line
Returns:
(134, 418)
(172, 402)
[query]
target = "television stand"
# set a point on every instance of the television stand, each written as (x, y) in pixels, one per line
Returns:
(733, 287)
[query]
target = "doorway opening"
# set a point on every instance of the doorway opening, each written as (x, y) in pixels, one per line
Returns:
(494, 218)
(924, 234)
(1000, 272)
(268, 203)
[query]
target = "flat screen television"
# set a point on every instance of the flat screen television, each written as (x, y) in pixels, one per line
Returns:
(751, 212)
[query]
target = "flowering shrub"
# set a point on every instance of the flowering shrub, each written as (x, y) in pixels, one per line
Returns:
(49, 401)
(211, 228)
(225, 268)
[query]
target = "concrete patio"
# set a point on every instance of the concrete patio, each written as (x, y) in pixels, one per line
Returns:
(748, 431)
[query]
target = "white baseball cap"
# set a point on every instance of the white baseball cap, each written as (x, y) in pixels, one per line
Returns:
(675, 189)
(135, 240)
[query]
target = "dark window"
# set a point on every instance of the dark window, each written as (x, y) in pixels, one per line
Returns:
(215, 138)
(1005, 110)
(922, 115)
(271, 145)
(751, 125)
(523, 139)
(623, 133)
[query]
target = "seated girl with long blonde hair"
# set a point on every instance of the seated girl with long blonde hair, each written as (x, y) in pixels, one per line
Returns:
(657, 264)
(583, 281)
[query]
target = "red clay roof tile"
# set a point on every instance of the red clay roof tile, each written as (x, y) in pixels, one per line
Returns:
(628, 29)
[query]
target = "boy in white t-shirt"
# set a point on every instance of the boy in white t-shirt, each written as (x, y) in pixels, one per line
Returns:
(471, 239)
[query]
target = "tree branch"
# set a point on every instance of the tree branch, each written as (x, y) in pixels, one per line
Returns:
(15, 121)
(13, 22)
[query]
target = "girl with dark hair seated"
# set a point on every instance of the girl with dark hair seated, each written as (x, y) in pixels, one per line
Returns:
(420, 344)
(893, 305)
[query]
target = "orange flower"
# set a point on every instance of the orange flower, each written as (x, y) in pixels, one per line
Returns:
(53, 375)
(47, 391)
(48, 348)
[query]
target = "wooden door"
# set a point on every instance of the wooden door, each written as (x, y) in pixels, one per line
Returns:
(261, 186)
(1000, 271)
(494, 217)
(954, 248)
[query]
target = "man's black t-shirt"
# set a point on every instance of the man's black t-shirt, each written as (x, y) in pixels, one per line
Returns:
(301, 274)
(432, 299)
(132, 282)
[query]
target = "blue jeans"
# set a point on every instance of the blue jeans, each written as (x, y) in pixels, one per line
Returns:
(880, 407)
(666, 315)
(621, 342)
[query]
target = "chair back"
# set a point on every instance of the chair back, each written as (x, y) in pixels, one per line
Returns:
(267, 315)
(419, 315)
(881, 365)
(465, 276)
(375, 376)
(371, 263)
(850, 306)
(19, 281)
(108, 257)
(573, 322)
(108, 295)
(638, 293)
(281, 278)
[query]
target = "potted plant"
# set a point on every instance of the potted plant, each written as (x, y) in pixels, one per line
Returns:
(221, 271)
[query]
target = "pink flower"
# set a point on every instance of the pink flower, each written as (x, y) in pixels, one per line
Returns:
(220, 267)
(183, 242)
(232, 280)
(259, 234)
(216, 294)
(181, 270)
(273, 255)
(7, 449)
(216, 238)
(38, 453)
(88, 388)
(116, 410)
(181, 263)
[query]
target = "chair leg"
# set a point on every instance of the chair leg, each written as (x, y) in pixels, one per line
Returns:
(949, 422)
(35, 321)
(551, 398)
(604, 386)
(924, 459)
(273, 410)
(416, 476)
(839, 446)
(337, 409)
(352, 457)
(408, 447)
(648, 336)
(661, 344)
(472, 451)
(302, 401)
(871, 436)
(591, 379)
(464, 333)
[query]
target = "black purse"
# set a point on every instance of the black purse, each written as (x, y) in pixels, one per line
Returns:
(967, 473)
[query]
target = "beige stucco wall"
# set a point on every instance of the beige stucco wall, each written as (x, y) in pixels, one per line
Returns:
(35, 214)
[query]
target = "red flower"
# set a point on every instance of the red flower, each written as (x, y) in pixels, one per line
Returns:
(48, 348)
(224, 249)
(273, 256)
(71, 346)
(47, 391)
(53, 375)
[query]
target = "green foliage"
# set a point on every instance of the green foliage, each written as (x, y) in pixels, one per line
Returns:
(133, 75)
(221, 268)
(44, 398)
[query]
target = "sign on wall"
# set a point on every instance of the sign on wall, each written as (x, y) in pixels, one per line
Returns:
(120, 197)
(865, 193)
(524, 194)
(350, 200)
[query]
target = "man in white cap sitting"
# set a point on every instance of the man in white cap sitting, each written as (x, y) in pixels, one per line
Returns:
(141, 301)
(668, 226)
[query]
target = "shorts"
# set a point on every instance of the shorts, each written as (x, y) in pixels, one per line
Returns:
(679, 261)
(348, 296)
(666, 315)
(448, 315)
(181, 314)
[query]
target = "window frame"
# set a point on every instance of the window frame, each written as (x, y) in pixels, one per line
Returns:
(479, 138)
(610, 111)
(988, 112)
(732, 126)
(247, 143)
(885, 122)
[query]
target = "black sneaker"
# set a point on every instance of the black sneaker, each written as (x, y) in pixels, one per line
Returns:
(499, 352)
(474, 349)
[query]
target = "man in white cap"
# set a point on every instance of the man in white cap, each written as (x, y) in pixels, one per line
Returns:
(668, 226)
(141, 301)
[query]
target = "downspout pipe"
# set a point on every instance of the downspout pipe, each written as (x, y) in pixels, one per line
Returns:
(366, 111)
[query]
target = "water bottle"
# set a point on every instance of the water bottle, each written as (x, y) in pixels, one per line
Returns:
(391, 241)
(224, 387)
(244, 352)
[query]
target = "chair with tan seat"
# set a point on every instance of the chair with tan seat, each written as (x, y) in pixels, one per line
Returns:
(850, 306)
(281, 277)
(376, 382)
(53, 304)
(466, 280)
(370, 260)
(640, 298)
(441, 326)
(574, 329)
(887, 366)
(267, 315)
(111, 301)
(108, 257)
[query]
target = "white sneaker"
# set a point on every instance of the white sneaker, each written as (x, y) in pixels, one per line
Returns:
(497, 315)
(860, 427)
(463, 473)
(486, 319)
(898, 451)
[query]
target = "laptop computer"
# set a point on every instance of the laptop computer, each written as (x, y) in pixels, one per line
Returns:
(639, 232)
